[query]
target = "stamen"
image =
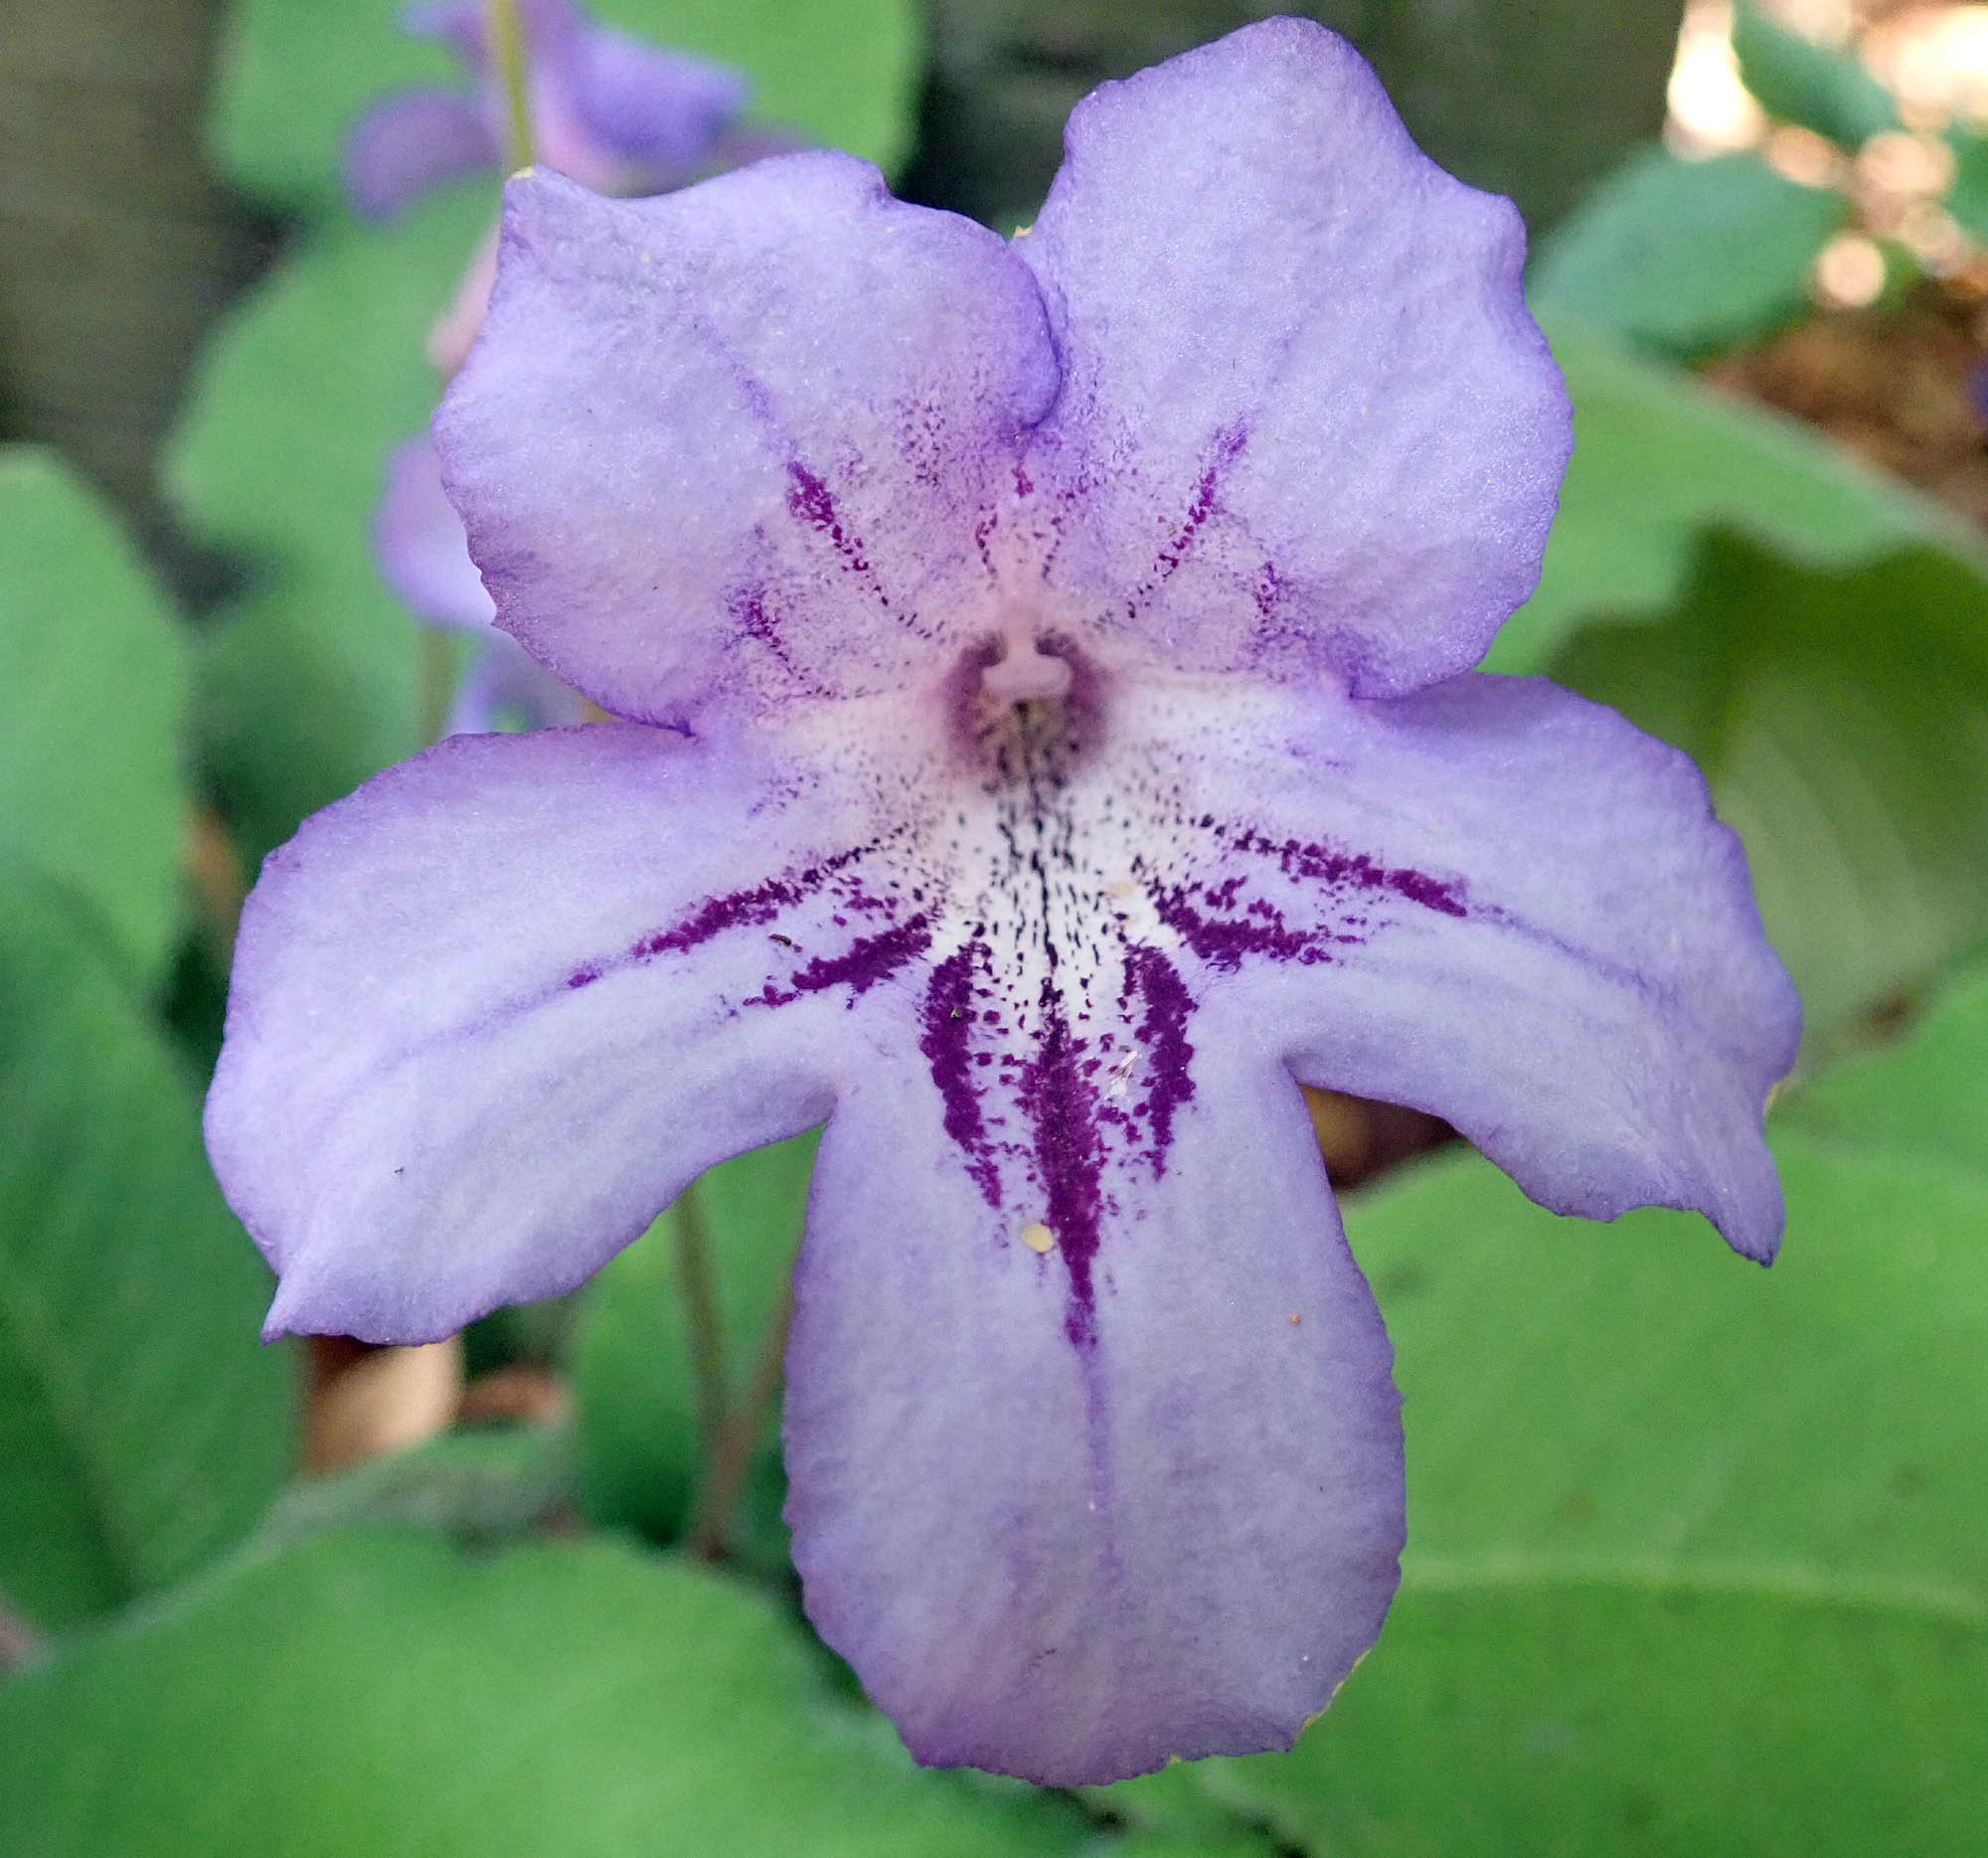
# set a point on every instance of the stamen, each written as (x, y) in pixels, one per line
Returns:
(1026, 675)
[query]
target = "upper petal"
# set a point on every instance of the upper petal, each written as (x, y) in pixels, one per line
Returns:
(1307, 420)
(405, 145)
(1077, 1498)
(732, 444)
(489, 1014)
(1498, 903)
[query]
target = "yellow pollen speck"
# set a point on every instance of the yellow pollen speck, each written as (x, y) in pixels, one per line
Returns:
(1038, 1236)
(1295, 1317)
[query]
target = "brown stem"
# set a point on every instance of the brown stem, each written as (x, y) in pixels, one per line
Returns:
(731, 1461)
(700, 1297)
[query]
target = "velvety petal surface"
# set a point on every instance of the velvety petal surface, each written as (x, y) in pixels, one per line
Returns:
(1502, 904)
(801, 398)
(491, 1013)
(409, 143)
(419, 543)
(1071, 1512)
(1307, 420)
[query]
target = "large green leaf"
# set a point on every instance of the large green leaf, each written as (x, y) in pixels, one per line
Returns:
(93, 701)
(309, 685)
(375, 1692)
(633, 1372)
(296, 74)
(1925, 1095)
(1657, 458)
(1695, 1559)
(1842, 719)
(143, 1425)
(1686, 256)
(1798, 80)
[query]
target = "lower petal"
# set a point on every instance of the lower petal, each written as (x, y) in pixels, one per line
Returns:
(1073, 1553)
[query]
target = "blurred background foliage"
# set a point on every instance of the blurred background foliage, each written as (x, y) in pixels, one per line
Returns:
(1698, 1556)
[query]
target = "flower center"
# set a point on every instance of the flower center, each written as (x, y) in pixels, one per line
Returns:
(1027, 708)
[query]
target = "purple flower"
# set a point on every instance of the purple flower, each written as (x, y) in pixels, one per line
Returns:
(616, 114)
(423, 556)
(1051, 740)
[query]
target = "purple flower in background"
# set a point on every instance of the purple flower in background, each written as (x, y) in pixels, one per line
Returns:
(423, 556)
(1050, 739)
(616, 114)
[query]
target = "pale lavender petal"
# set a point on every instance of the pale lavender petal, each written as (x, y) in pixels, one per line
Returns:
(1071, 1513)
(1498, 903)
(505, 687)
(409, 143)
(489, 1014)
(418, 541)
(802, 398)
(663, 110)
(1306, 422)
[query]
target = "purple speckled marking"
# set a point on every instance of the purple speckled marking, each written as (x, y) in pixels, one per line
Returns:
(583, 976)
(867, 961)
(1222, 941)
(1062, 1107)
(1162, 1030)
(809, 499)
(1323, 863)
(948, 1016)
(738, 909)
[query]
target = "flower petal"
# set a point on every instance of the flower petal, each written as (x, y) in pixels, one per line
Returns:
(417, 540)
(799, 395)
(1307, 420)
(660, 109)
(491, 1013)
(1073, 1555)
(1502, 904)
(409, 143)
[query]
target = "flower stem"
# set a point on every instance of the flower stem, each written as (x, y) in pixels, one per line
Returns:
(434, 680)
(730, 1462)
(507, 53)
(700, 1298)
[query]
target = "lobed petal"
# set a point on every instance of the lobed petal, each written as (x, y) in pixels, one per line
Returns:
(799, 396)
(408, 144)
(1072, 1554)
(491, 1013)
(1306, 422)
(1501, 903)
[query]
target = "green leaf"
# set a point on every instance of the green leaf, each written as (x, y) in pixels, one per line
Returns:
(1842, 719)
(309, 685)
(1924, 1095)
(1967, 197)
(295, 75)
(377, 1692)
(1686, 256)
(143, 1425)
(1694, 1558)
(92, 701)
(632, 1376)
(481, 1486)
(1798, 81)
(1657, 458)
